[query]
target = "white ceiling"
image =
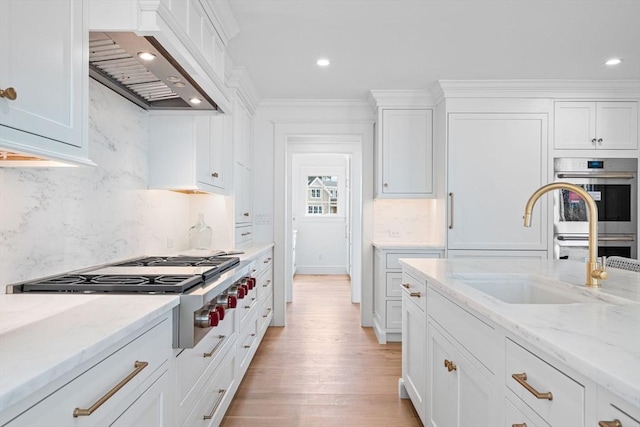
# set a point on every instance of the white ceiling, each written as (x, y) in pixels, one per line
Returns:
(410, 44)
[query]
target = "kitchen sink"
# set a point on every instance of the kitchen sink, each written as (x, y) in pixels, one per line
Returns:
(523, 289)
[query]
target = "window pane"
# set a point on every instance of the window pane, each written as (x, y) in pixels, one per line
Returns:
(322, 195)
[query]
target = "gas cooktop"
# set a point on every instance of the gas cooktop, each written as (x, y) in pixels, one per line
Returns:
(144, 275)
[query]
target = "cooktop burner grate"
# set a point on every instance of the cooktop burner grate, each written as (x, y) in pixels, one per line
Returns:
(86, 283)
(179, 261)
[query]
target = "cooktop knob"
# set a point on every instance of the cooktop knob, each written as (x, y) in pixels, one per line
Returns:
(201, 318)
(251, 282)
(220, 310)
(214, 318)
(232, 301)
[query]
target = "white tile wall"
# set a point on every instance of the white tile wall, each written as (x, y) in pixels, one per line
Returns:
(60, 219)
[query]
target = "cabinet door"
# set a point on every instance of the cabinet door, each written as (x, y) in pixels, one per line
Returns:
(459, 395)
(150, 409)
(42, 56)
(242, 186)
(211, 134)
(496, 161)
(617, 125)
(407, 153)
(414, 351)
(575, 125)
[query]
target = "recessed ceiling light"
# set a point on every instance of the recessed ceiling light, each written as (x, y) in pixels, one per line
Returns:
(146, 56)
(613, 61)
(195, 101)
(323, 62)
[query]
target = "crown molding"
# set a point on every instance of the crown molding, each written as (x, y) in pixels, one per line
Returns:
(221, 15)
(619, 89)
(240, 80)
(313, 103)
(400, 98)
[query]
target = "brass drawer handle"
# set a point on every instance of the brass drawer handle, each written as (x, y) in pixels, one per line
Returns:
(86, 412)
(519, 425)
(450, 365)
(246, 214)
(267, 261)
(221, 393)
(406, 285)
(614, 423)
(215, 174)
(522, 380)
(266, 284)
(450, 211)
(9, 93)
(267, 315)
(415, 294)
(213, 351)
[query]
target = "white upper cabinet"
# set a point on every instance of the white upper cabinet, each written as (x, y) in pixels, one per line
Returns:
(405, 147)
(243, 175)
(596, 125)
(44, 59)
(189, 152)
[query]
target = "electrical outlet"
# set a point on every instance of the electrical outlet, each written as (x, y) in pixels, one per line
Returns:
(394, 233)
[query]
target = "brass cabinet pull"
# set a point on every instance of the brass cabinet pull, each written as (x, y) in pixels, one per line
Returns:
(519, 425)
(450, 365)
(385, 185)
(522, 380)
(267, 261)
(614, 423)
(600, 141)
(450, 211)
(221, 393)
(266, 284)
(9, 93)
(246, 214)
(406, 285)
(593, 141)
(86, 412)
(246, 346)
(267, 315)
(215, 174)
(214, 349)
(415, 294)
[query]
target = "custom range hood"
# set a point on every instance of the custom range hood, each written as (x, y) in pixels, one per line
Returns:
(141, 70)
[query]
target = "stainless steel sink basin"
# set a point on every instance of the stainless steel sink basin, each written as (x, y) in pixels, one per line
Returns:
(523, 289)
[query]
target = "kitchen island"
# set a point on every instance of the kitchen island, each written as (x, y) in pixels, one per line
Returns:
(474, 327)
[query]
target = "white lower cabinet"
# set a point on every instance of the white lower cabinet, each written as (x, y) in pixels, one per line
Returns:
(127, 384)
(387, 304)
(414, 347)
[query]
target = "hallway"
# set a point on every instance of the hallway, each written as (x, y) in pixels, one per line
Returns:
(323, 369)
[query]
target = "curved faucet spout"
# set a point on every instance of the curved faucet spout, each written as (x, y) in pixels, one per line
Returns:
(594, 273)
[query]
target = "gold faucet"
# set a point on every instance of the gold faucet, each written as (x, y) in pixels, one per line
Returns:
(594, 272)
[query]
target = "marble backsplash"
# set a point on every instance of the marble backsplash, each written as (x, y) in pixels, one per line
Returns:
(55, 220)
(405, 221)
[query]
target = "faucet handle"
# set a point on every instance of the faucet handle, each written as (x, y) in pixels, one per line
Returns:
(601, 270)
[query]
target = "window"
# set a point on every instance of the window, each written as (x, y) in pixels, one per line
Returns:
(322, 195)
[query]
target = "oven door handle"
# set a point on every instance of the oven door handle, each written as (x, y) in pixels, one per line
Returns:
(606, 175)
(600, 238)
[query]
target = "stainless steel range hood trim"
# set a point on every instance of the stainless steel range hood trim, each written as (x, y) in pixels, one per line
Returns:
(177, 102)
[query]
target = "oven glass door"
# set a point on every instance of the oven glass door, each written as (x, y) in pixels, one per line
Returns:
(576, 247)
(616, 201)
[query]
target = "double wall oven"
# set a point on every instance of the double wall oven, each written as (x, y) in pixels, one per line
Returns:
(613, 184)
(208, 286)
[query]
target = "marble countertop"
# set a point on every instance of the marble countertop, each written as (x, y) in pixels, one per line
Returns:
(599, 339)
(42, 337)
(390, 245)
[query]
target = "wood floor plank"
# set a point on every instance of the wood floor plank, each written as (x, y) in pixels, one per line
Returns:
(323, 369)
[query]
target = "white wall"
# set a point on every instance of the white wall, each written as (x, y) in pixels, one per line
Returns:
(61, 219)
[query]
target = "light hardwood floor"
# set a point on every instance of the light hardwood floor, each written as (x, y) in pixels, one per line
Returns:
(322, 369)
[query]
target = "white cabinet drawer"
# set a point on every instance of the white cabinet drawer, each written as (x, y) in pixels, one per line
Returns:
(567, 404)
(394, 315)
(416, 289)
(265, 314)
(248, 341)
(264, 284)
(244, 234)
(394, 284)
(472, 333)
(141, 361)
(516, 417)
(265, 262)
(194, 366)
(217, 394)
(392, 258)
(246, 305)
